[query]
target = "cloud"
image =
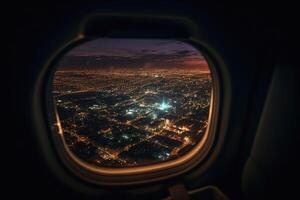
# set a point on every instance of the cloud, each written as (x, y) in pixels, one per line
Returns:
(133, 54)
(173, 59)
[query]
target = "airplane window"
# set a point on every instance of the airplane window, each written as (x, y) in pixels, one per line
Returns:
(124, 103)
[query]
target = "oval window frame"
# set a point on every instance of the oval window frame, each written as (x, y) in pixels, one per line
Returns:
(125, 176)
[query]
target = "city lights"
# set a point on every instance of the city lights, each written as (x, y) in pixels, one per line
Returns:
(164, 105)
(132, 105)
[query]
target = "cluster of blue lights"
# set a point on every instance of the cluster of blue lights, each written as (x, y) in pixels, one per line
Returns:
(164, 105)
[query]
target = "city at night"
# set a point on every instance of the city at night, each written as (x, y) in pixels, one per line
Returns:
(124, 103)
(151, 100)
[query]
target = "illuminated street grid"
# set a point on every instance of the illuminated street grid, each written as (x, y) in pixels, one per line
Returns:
(132, 118)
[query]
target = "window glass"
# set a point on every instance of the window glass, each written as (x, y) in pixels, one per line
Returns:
(132, 102)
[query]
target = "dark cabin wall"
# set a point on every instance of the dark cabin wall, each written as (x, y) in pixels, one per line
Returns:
(251, 38)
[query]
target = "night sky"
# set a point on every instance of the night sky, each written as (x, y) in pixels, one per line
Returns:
(134, 54)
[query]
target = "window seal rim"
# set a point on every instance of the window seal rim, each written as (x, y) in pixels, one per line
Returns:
(214, 114)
